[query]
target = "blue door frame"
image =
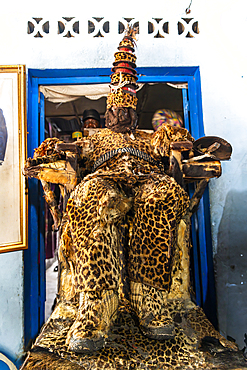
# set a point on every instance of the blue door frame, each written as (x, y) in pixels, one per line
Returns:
(34, 257)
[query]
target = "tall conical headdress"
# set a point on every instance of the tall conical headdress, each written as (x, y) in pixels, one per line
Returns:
(123, 80)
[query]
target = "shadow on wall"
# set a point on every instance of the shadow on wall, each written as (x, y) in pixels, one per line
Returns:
(231, 267)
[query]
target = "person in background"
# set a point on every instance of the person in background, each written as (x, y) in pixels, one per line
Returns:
(91, 118)
(162, 116)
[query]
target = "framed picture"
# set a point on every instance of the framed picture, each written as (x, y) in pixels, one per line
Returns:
(13, 194)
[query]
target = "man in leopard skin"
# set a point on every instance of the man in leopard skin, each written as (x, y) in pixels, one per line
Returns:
(128, 182)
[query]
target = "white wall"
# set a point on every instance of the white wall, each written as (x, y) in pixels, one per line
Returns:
(11, 303)
(219, 50)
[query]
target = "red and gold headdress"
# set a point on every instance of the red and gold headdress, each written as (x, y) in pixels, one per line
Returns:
(123, 80)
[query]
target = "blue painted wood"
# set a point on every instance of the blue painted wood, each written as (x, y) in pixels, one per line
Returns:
(94, 72)
(206, 260)
(199, 102)
(168, 71)
(162, 78)
(209, 298)
(196, 116)
(34, 257)
(69, 73)
(31, 255)
(41, 117)
(203, 250)
(75, 80)
(196, 262)
(200, 246)
(42, 272)
(205, 256)
(194, 119)
(186, 109)
(194, 227)
(106, 79)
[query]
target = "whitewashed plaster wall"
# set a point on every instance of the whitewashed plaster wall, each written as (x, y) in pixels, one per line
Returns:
(219, 49)
(11, 303)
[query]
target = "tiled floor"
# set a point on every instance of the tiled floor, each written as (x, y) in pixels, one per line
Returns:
(51, 287)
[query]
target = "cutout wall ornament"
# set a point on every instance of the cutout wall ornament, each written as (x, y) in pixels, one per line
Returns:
(38, 27)
(70, 27)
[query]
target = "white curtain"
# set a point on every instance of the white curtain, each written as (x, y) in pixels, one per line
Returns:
(66, 93)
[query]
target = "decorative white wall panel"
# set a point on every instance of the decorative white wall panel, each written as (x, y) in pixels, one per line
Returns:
(103, 27)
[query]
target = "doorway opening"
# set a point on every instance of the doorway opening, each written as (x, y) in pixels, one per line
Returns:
(174, 88)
